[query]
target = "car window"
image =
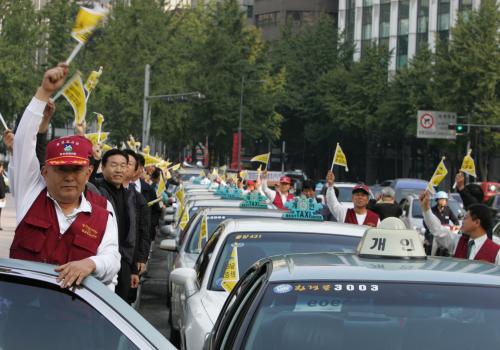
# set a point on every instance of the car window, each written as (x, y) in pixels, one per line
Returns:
(251, 247)
(38, 315)
(204, 258)
(375, 315)
(192, 220)
(194, 244)
(345, 194)
(416, 210)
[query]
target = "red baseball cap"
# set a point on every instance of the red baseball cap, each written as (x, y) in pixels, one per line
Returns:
(250, 183)
(285, 180)
(361, 188)
(69, 150)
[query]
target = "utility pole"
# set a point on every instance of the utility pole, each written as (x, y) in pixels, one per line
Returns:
(145, 111)
(239, 124)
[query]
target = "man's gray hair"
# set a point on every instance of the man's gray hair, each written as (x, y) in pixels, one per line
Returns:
(388, 192)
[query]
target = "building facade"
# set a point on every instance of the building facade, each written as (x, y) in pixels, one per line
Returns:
(271, 15)
(401, 25)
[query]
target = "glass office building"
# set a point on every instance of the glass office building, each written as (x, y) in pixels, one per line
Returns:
(401, 26)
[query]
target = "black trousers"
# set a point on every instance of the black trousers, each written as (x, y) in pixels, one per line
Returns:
(123, 286)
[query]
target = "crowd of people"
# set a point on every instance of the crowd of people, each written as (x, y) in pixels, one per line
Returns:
(94, 213)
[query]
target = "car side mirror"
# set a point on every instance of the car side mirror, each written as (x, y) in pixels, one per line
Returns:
(169, 244)
(461, 216)
(186, 277)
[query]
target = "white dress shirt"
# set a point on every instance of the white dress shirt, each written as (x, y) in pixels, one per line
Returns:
(272, 194)
(138, 186)
(29, 183)
(448, 239)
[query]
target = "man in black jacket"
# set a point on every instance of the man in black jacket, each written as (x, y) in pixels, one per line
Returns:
(149, 194)
(114, 168)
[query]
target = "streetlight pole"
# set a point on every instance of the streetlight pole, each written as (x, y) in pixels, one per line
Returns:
(239, 124)
(145, 111)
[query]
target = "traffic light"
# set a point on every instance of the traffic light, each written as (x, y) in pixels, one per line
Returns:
(460, 129)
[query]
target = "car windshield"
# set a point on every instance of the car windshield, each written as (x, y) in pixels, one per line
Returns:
(37, 315)
(452, 204)
(345, 194)
(404, 192)
(250, 247)
(375, 316)
(195, 245)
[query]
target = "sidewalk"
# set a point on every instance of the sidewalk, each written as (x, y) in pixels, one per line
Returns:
(8, 223)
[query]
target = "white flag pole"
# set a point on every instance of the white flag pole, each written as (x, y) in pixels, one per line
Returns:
(3, 122)
(74, 53)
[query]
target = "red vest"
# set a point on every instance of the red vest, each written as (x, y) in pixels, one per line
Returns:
(37, 236)
(96, 199)
(371, 218)
(488, 251)
(278, 203)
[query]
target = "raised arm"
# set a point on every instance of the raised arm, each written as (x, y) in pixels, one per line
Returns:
(26, 168)
(337, 209)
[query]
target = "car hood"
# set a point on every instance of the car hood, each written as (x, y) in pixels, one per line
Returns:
(213, 302)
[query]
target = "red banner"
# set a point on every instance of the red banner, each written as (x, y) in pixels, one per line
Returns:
(234, 158)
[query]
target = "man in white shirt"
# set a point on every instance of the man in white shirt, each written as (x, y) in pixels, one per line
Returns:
(360, 214)
(56, 222)
(282, 195)
(473, 244)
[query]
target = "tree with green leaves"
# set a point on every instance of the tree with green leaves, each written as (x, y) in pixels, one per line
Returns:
(19, 42)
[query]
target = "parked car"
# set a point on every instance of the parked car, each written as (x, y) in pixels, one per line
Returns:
(490, 189)
(412, 212)
(236, 245)
(36, 313)
(404, 187)
(362, 301)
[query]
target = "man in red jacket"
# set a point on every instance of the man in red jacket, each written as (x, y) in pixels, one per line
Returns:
(360, 214)
(57, 223)
(473, 243)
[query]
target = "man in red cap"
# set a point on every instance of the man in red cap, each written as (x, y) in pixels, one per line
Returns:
(57, 223)
(358, 215)
(280, 197)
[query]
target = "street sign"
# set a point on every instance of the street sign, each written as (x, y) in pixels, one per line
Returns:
(434, 125)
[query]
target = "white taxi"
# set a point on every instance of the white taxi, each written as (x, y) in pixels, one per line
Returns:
(233, 248)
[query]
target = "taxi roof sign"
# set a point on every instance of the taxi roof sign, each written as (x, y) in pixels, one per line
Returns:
(303, 208)
(254, 200)
(391, 240)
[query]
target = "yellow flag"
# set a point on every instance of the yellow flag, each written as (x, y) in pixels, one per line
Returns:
(215, 172)
(263, 158)
(243, 174)
(132, 144)
(223, 177)
(150, 160)
(202, 174)
(146, 150)
(232, 273)
(175, 167)
(339, 158)
(92, 81)
(106, 148)
(468, 165)
(259, 171)
(85, 23)
(185, 219)
(161, 187)
(180, 196)
(93, 137)
(75, 94)
(100, 120)
(223, 168)
(203, 231)
(438, 176)
(168, 176)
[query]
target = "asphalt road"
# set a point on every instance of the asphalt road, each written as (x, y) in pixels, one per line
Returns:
(152, 304)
